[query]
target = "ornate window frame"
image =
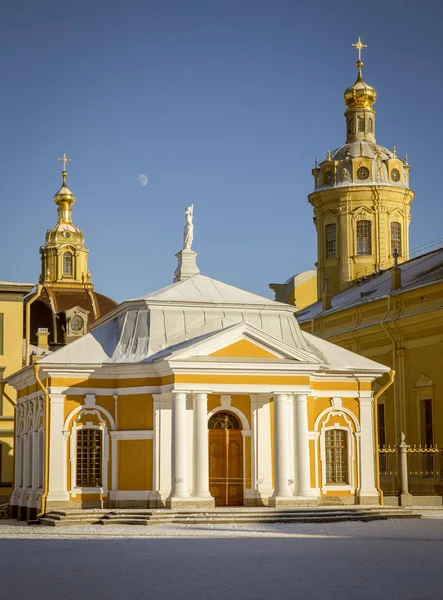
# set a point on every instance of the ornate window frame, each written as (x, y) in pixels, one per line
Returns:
(424, 390)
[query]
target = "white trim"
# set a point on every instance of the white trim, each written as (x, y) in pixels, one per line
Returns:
(142, 434)
(351, 440)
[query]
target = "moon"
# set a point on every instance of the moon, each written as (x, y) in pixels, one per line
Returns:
(143, 179)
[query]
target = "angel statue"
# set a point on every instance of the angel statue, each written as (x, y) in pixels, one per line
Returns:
(189, 228)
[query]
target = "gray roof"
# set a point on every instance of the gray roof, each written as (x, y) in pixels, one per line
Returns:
(423, 270)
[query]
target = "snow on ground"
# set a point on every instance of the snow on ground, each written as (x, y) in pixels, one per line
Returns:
(396, 559)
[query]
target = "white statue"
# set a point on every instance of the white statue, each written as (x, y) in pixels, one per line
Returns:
(189, 228)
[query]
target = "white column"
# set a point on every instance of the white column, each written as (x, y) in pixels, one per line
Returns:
(281, 447)
(366, 488)
(179, 443)
(303, 463)
(262, 451)
(201, 454)
(57, 451)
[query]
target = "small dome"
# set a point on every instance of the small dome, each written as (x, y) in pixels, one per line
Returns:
(360, 94)
(64, 194)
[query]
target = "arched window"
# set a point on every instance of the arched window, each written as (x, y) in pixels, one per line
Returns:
(371, 126)
(361, 125)
(336, 449)
(364, 242)
(331, 240)
(89, 457)
(395, 238)
(67, 264)
(224, 420)
(351, 126)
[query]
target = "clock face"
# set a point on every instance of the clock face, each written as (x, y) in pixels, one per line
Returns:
(76, 323)
(329, 177)
(362, 173)
(395, 175)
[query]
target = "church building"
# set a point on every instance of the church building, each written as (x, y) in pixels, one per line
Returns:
(199, 394)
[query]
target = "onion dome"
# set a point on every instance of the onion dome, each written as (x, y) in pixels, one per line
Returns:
(64, 194)
(360, 94)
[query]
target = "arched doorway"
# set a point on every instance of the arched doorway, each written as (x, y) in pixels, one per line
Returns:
(225, 459)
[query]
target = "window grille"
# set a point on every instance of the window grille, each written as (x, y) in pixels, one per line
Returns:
(361, 125)
(336, 446)
(67, 264)
(331, 240)
(351, 126)
(364, 244)
(396, 238)
(224, 420)
(89, 458)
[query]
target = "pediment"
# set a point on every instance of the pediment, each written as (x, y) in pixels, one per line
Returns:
(362, 213)
(242, 341)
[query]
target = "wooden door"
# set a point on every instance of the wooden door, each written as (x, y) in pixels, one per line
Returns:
(226, 466)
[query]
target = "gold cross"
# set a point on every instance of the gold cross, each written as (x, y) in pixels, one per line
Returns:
(64, 160)
(359, 45)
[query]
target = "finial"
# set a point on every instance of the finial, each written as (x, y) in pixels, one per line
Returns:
(64, 160)
(395, 255)
(315, 163)
(406, 160)
(394, 151)
(189, 228)
(359, 45)
(328, 155)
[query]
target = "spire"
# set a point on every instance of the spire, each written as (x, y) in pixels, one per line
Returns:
(64, 198)
(359, 98)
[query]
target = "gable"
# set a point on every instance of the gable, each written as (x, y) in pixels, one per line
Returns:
(244, 348)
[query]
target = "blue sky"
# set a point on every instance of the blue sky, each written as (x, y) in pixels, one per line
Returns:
(221, 103)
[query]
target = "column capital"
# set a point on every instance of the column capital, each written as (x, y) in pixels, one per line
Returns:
(202, 396)
(301, 397)
(179, 394)
(281, 396)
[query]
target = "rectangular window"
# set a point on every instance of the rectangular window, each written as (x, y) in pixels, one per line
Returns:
(331, 240)
(336, 446)
(364, 243)
(89, 458)
(395, 238)
(381, 425)
(2, 320)
(426, 422)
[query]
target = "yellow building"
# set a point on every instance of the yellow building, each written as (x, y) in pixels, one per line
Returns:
(11, 356)
(373, 297)
(196, 395)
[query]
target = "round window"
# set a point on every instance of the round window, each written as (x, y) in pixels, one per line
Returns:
(67, 234)
(362, 173)
(395, 175)
(76, 323)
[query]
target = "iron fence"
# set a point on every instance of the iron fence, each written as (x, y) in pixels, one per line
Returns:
(424, 467)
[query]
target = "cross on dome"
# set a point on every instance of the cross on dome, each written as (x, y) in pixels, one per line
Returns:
(359, 45)
(64, 159)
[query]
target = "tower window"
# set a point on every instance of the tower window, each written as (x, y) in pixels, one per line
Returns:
(331, 240)
(364, 242)
(351, 126)
(361, 124)
(67, 264)
(336, 446)
(371, 126)
(89, 458)
(396, 238)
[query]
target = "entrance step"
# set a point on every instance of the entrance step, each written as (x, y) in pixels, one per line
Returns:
(222, 516)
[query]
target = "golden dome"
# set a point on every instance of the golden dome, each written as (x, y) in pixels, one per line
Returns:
(360, 94)
(64, 194)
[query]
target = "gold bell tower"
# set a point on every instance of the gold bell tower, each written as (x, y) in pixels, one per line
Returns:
(64, 256)
(362, 198)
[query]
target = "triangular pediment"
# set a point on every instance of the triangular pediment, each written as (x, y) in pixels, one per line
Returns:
(242, 341)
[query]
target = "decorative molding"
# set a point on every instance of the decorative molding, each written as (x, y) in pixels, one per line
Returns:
(142, 434)
(424, 381)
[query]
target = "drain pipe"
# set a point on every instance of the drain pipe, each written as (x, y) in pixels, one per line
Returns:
(46, 445)
(28, 321)
(377, 461)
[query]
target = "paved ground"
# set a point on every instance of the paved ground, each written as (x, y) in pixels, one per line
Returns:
(384, 559)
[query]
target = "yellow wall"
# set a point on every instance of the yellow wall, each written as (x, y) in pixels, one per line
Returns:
(135, 412)
(135, 458)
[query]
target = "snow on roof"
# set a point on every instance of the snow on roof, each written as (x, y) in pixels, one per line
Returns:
(423, 270)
